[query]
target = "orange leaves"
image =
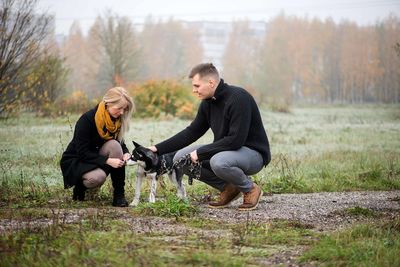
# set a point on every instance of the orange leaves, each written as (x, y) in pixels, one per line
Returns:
(317, 61)
(163, 98)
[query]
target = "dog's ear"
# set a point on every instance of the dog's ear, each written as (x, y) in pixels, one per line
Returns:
(136, 144)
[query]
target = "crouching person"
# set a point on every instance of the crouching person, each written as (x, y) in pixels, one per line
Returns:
(240, 147)
(97, 148)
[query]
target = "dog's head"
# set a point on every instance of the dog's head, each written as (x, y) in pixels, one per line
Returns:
(141, 153)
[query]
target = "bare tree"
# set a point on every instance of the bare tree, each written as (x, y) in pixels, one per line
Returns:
(118, 49)
(21, 34)
(169, 49)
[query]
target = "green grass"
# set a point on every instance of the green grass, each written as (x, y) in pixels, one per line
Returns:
(314, 149)
(100, 238)
(334, 149)
(363, 245)
(359, 211)
(172, 206)
(280, 232)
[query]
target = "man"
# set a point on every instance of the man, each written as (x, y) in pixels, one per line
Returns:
(240, 147)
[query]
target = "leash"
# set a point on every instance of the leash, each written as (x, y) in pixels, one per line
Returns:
(164, 166)
(194, 168)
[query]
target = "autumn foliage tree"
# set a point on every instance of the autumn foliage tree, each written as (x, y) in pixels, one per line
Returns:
(274, 73)
(388, 35)
(47, 77)
(237, 52)
(168, 49)
(22, 34)
(79, 61)
(318, 61)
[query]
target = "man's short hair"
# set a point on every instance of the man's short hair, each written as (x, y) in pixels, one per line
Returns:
(204, 69)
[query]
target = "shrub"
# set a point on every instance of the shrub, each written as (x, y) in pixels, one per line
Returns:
(77, 102)
(163, 98)
(45, 84)
(279, 105)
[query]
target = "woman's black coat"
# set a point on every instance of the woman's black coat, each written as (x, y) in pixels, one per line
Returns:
(82, 154)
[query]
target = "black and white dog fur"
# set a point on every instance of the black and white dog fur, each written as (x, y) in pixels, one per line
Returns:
(152, 165)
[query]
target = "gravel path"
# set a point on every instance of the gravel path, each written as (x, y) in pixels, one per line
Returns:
(319, 211)
(323, 211)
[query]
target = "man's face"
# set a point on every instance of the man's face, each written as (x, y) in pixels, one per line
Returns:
(203, 87)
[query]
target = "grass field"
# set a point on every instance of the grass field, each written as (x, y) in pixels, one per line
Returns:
(314, 149)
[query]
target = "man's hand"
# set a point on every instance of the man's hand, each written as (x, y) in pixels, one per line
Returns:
(193, 156)
(153, 148)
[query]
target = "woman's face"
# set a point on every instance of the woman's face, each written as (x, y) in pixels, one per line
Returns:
(117, 110)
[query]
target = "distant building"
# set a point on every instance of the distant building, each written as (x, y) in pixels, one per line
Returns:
(60, 39)
(215, 37)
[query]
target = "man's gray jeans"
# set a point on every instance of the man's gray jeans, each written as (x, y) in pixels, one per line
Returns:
(228, 167)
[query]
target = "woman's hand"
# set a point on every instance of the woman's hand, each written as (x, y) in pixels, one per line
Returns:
(126, 156)
(115, 162)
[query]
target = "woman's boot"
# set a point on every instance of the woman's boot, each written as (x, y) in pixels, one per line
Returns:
(79, 191)
(118, 182)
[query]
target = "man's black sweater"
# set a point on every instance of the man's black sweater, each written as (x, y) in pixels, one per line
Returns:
(234, 118)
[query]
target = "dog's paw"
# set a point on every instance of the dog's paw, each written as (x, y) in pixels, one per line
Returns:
(181, 196)
(134, 203)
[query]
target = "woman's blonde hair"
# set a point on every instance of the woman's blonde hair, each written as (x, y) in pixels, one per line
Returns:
(119, 96)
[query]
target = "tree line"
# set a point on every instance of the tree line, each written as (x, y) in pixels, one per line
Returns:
(297, 60)
(114, 53)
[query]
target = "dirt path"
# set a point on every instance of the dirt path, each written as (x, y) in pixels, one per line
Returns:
(320, 211)
(323, 211)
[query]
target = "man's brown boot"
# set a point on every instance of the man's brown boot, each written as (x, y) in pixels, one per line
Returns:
(230, 193)
(251, 198)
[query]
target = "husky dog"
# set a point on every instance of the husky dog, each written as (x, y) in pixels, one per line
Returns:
(152, 165)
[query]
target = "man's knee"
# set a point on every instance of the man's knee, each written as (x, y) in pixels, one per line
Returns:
(218, 165)
(179, 154)
(184, 151)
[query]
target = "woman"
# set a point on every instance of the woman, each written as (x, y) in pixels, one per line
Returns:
(98, 149)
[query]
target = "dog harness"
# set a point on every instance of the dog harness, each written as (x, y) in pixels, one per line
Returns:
(164, 166)
(194, 168)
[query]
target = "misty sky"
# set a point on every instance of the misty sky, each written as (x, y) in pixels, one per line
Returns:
(364, 12)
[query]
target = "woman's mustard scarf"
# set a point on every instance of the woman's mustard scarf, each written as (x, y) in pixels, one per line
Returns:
(106, 126)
